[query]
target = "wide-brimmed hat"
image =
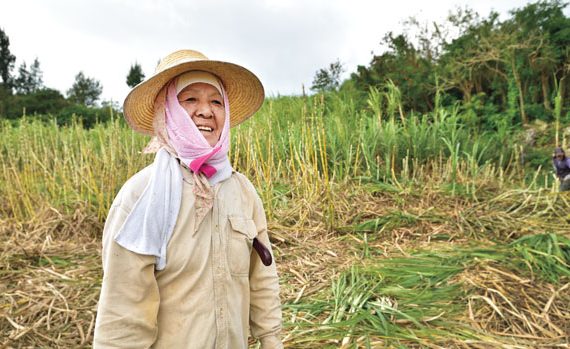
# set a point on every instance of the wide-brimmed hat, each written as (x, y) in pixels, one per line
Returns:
(558, 150)
(245, 91)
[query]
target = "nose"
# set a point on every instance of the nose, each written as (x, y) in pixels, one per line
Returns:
(204, 110)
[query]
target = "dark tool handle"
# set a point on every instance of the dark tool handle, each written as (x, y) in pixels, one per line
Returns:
(263, 252)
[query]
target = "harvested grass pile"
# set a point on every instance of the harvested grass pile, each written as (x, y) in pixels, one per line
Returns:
(49, 281)
(506, 304)
(469, 296)
(526, 296)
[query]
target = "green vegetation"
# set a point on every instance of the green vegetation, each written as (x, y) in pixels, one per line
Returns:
(419, 298)
(501, 70)
(135, 75)
(308, 146)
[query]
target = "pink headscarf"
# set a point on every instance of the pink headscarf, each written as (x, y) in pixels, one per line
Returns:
(185, 138)
(176, 132)
(149, 226)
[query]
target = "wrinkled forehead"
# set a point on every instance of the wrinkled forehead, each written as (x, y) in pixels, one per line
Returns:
(195, 76)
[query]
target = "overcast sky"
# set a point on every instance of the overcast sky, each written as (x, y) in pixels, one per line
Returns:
(283, 41)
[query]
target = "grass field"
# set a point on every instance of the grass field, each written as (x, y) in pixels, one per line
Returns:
(389, 230)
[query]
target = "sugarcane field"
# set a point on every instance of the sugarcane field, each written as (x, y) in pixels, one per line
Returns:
(419, 200)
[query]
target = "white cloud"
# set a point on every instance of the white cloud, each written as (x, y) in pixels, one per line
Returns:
(283, 41)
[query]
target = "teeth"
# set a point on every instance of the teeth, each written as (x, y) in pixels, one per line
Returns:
(205, 128)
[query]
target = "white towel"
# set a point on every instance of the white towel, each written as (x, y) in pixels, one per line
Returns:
(150, 224)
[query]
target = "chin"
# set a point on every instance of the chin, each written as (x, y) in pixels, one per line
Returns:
(212, 139)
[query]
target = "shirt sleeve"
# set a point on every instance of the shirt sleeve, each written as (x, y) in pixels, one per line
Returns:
(265, 306)
(129, 300)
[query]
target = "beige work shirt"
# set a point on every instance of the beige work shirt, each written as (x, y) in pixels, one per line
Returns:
(213, 288)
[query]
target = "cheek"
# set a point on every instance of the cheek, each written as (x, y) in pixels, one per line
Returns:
(189, 109)
(220, 118)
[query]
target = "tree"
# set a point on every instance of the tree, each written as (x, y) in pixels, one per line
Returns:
(6, 59)
(328, 79)
(85, 90)
(40, 103)
(36, 75)
(29, 81)
(541, 63)
(403, 66)
(135, 75)
(466, 66)
(511, 65)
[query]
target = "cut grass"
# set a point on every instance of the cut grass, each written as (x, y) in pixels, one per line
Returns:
(421, 299)
(449, 293)
(545, 255)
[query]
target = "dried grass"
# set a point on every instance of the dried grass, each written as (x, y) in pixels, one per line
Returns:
(49, 276)
(511, 305)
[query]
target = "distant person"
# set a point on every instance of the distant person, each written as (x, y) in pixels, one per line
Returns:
(562, 166)
(187, 261)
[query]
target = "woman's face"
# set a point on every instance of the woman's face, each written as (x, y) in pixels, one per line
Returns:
(205, 106)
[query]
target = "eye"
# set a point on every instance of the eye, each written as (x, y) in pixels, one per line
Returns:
(217, 102)
(186, 97)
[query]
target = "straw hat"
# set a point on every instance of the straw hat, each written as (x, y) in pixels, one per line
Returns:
(245, 92)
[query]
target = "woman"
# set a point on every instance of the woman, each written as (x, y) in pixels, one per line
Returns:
(561, 165)
(184, 239)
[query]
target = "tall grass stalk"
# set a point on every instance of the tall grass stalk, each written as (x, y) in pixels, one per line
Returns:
(295, 147)
(558, 109)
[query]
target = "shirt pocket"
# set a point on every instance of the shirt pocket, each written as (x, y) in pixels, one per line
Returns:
(241, 234)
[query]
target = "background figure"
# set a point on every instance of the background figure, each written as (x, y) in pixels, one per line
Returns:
(562, 166)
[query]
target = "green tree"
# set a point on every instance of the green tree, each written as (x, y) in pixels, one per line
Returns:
(7, 60)
(40, 103)
(542, 63)
(492, 65)
(459, 68)
(29, 81)
(328, 79)
(135, 75)
(85, 91)
(407, 69)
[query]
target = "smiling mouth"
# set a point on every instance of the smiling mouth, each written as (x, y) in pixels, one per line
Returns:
(205, 128)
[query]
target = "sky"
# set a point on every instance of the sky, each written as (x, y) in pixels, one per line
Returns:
(284, 42)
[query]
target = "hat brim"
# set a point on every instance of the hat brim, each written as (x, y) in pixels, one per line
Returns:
(245, 92)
